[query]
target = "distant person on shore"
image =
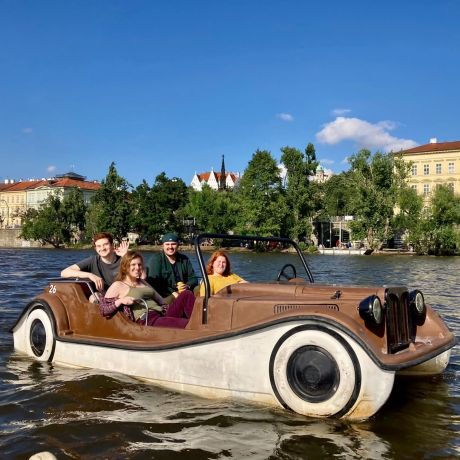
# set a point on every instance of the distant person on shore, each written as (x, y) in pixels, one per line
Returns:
(130, 294)
(219, 273)
(169, 271)
(100, 268)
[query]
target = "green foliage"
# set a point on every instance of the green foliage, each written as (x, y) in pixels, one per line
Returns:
(299, 190)
(373, 188)
(261, 203)
(157, 209)
(56, 221)
(113, 210)
(74, 209)
(336, 195)
(407, 219)
(436, 231)
(214, 211)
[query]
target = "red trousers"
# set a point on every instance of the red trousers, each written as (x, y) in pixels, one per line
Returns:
(177, 313)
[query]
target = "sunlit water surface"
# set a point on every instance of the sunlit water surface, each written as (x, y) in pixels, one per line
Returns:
(77, 413)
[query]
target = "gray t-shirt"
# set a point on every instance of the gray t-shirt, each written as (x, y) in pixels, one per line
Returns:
(95, 265)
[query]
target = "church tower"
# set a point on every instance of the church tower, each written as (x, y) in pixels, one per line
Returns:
(222, 180)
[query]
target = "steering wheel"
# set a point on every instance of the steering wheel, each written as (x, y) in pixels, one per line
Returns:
(285, 275)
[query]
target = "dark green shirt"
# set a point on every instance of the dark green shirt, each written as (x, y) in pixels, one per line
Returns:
(160, 273)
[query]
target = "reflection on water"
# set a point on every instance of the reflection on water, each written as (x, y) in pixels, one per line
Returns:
(78, 413)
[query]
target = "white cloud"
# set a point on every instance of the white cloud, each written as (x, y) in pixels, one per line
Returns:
(339, 112)
(27, 130)
(285, 117)
(51, 168)
(327, 162)
(365, 134)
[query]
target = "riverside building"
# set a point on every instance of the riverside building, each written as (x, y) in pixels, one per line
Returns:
(16, 197)
(432, 165)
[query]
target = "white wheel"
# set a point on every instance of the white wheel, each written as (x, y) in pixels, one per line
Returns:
(39, 335)
(315, 372)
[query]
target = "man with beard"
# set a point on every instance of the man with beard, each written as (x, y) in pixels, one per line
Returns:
(169, 271)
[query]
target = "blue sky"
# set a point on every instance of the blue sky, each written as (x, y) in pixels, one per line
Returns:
(174, 85)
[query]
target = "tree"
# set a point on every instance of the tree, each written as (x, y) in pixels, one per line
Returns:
(56, 221)
(113, 211)
(374, 187)
(409, 214)
(437, 230)
(261, 203)
(214, 211)
(74, 211)
(335, 195)
(157, 208)
(299, 192)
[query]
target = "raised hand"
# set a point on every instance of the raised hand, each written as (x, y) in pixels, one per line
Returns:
(122, 248)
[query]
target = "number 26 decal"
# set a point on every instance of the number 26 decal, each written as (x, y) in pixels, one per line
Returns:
(52, 289)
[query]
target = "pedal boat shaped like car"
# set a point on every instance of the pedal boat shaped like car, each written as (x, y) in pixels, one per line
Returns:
(319, 350)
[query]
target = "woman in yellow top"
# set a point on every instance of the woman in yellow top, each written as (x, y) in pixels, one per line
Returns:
(219, 274)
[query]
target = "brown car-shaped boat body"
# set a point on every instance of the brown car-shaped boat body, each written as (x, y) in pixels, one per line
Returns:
(319, 350)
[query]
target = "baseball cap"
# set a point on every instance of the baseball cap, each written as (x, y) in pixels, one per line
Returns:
(170, 238)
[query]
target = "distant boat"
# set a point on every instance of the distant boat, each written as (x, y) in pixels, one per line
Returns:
(346, 251)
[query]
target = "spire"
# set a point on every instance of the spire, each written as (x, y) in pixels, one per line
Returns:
(222, 175)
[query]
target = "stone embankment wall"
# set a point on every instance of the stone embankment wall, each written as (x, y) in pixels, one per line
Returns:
(9, 238)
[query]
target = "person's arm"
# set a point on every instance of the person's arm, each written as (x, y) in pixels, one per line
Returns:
(238, 279)
(74, 271)
(114, 298)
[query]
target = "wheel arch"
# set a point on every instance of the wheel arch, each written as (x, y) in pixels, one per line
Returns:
(55, 309)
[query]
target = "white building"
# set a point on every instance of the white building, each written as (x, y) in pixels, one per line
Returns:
(213, 180)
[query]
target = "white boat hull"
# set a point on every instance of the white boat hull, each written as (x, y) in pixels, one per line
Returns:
(433, 366)
(243, 367)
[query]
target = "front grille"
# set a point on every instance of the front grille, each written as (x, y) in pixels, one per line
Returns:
(397, 320)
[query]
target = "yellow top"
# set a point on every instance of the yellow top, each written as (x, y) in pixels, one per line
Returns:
(218, 282)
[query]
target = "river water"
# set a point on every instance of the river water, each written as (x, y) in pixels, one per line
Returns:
(80, 413)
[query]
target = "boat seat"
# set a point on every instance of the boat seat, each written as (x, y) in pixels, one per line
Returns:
(87, 287)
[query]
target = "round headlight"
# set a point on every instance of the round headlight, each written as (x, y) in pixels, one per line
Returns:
(417, 302)
(371, 309)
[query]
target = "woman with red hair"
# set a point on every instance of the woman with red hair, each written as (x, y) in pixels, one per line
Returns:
(219, 273)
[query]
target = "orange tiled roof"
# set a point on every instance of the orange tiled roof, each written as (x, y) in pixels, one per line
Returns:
(65, 183)
(435, 147)
(84, 185)
(205, 176)
(24, 185)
